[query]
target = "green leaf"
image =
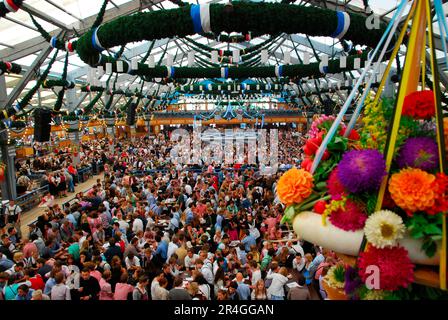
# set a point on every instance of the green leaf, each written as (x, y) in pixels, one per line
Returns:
(288, 214)
(416, 234)
(431, 251)
(321, 185)
(338, 144)
(432, 229)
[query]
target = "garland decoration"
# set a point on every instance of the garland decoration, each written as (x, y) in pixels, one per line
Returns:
(294, 70)
(48, 84)
(226, 87)
(54, 41)
(9, 67)
(6, 113)
(126, 93)
(232, 38)
(7, 6)
(226, 53)
(100, 16)
(244, 16)
(88, 108)
(60, 98)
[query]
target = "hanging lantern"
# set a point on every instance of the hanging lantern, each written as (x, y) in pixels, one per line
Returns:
(140, 122)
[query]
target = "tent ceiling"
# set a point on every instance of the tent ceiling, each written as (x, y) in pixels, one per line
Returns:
(20, 43)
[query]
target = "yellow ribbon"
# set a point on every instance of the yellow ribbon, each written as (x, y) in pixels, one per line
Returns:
(394, 54)
(405, 85)
(443, 253)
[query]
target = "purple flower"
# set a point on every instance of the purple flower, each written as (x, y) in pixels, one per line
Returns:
(420, 152)
(361, 170)
(352, 280)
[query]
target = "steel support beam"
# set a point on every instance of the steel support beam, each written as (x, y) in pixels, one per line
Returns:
(30, 74)
(38, 43)
(42, 15)
(63, 10)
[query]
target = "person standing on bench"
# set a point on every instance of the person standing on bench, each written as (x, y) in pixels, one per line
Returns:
(12, 216)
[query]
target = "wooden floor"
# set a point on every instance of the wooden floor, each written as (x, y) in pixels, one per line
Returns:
(31, 215)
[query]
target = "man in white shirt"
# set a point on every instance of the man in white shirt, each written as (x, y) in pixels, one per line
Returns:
(137, 224)
(188, 189)
(298, 263)
(190, 259)
(276, 289)
(13, 215)
(206, 269)
(155, 285)
(123, 224)
(172, 247)
(132, 262)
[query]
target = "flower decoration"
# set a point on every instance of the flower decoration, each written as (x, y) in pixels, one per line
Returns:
(383, 228)
(319, 206)
(306, 164)
(419, 105)
(335, 277)
(395, 268)
(361, 170)
(352, 280)
(374, 132)
(294, 186)
(353, 135)
(441, 195)
(419, 152)
(312, 144)
(316, 126)
(373, 295)
(346, 214)
(334, 185)
(412, 190)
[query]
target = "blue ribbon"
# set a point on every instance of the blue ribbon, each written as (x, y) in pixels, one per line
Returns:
(340, 25)
(53, 42)
(441, 20)
(280, 70)
(195, 13)
(337, 121)
(226, 72)
(95, 45)
(173, 71)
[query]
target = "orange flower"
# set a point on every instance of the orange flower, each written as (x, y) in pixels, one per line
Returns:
(294, 186)
(412, 189)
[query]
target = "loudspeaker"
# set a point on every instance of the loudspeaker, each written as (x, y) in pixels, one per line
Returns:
(42, 126)
(328, 106)
(130, 119)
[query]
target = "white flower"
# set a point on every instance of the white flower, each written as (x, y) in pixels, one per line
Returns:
(335, 277)
(383, 228)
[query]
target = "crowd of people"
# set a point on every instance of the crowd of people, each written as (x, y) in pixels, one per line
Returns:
(153, 230)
